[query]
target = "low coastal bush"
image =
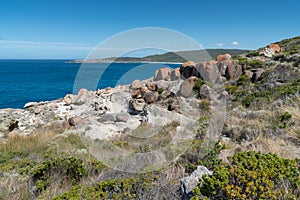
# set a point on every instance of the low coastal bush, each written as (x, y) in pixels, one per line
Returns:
(243, 80)
(252, 175)
(252, 54)
(231, 89)
(128, 188)
(272, 93)
(255, 63)
(69, 169)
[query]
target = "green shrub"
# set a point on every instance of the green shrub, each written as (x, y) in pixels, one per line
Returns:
(70, 168)
(198, 83)
(128, 188)
(250, 63)
(284, 121)
(160, 90)
(255, 64)
(231, 89)
(247, 101)
(272, 93)
(252, 175)
(203, 123)
(204, 105)
(243, 80)
(241, 60)
(253, 54)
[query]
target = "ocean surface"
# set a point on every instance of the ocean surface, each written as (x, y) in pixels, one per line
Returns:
(23, 81)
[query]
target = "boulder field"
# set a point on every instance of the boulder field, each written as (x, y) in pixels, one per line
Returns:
(171, 95)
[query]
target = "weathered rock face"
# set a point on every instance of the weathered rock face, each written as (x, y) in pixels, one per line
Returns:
(186, 88)
(188, 69)
(224, 57)
(162, 74)
(190, 182)
(256, 74)
(175, 74)
(208, 71)
(151, 97)
(136, 84)
(205, 92)
(213, 71)
(167, 74)
(233, 70)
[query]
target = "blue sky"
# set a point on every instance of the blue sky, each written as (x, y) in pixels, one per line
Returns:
(71, 28)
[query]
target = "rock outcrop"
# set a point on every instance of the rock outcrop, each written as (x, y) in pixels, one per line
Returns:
(213, 71)
(271, 50)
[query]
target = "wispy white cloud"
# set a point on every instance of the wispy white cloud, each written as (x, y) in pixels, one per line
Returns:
(32, 44)
(235, 43)
(15, 44)
(220, 44)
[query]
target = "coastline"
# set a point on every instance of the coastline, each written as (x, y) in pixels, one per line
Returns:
(99, 61)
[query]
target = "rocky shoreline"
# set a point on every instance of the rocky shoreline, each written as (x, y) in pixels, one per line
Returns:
(168, 96)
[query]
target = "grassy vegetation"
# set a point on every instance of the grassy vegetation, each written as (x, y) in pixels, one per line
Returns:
(272, 93)
(45, 161)
(128, 188)
(290, 46)
(253, 63)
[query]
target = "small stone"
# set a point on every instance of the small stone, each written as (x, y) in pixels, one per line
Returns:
(122, 117)
(96, 106)
(74, 121)
(106, 118)
(68, 99)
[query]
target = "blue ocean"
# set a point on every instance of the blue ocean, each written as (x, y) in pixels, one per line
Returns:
(23, 81)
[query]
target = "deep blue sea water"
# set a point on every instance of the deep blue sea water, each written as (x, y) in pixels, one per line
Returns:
(23, 81)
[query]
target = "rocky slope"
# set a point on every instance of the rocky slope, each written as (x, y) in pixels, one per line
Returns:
(248, 102)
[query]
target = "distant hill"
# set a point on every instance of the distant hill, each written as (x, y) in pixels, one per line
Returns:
(178, 57)
(197, 55)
